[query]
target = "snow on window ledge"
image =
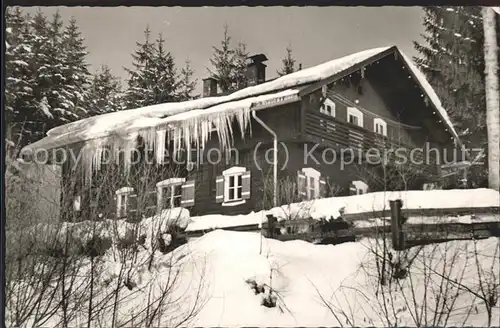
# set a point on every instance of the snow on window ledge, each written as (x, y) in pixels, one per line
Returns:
(124, 190)
(234, 202)
(171, 182)
(234, 170)
(310, 172)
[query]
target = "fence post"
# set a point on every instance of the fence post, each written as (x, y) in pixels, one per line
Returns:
(396, 222)
(271, 223)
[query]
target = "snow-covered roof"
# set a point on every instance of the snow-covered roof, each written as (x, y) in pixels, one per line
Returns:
(433, 97)
(133, 119)
(221, 109)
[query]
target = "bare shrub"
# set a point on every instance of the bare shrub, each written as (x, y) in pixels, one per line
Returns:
(92, 268)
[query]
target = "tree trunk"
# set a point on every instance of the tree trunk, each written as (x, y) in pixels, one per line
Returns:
(492, 97)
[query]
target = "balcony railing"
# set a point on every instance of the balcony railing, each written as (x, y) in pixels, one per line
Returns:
(332, 132)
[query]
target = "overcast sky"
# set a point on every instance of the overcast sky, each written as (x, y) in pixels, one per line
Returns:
(316, 34)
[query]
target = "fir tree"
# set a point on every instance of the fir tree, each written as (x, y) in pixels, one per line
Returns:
(153, 78)
(104, 95)
(452, 58)
(165, 83)
(239, 74)
(75, 71)
(288, 63)
(186, 83)
(52, 84)
(21, 110)
(223, 62)
(137, 93)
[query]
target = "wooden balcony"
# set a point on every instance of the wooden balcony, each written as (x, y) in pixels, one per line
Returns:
(332, 132)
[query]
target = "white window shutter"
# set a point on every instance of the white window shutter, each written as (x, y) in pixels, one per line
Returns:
(322, 188)
(301, 184)
(246, 183)
(219, 189)
(187, 199)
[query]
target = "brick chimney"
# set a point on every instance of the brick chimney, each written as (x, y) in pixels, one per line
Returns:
(256, 69)
(209, 87)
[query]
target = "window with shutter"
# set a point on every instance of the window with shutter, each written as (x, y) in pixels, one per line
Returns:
(309, 183)
(358, 187)
(122, 196)
(235, 182)
(170, 193)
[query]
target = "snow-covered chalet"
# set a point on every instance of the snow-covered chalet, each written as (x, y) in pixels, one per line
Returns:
(224, 143)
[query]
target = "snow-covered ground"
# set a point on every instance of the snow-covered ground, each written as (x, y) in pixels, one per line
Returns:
(370, 202)
(314, 285)
(208, 280)
(303, 273)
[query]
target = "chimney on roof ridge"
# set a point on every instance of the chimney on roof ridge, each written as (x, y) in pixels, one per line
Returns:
(209, 87)
(256, 69)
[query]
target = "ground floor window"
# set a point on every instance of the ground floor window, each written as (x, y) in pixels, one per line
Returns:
(310, 184)
(358, 187)
(122, 200)
(233, 186)
(170, 193)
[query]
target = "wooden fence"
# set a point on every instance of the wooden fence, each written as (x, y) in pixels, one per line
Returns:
(403, 235)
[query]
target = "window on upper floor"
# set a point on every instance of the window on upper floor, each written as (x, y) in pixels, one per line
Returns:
(328, 108)
(233, 186)
(354, 116)
(380, 126)
(310, 184)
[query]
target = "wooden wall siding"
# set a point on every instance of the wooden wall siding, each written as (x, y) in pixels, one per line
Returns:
(371, 100)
